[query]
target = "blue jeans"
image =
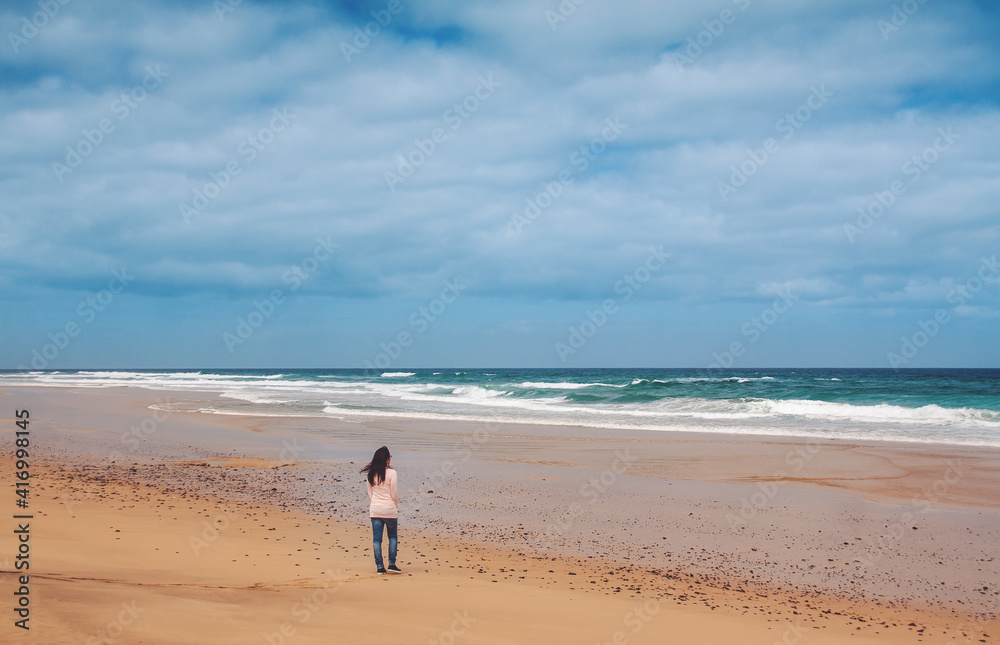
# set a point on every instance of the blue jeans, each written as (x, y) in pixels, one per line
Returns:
(390, 526)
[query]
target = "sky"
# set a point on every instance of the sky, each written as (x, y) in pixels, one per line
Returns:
(533, 183)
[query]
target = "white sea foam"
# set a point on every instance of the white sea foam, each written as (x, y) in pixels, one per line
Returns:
(881, 413)
(476, 392)
(354, 396)
(703, 379)
(253, 397)
(794, 430)
(563, 385)
(397, 374)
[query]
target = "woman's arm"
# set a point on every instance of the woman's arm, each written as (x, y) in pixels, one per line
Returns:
(394, 489)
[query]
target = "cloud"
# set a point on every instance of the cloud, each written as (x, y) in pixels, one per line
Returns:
(208, 128)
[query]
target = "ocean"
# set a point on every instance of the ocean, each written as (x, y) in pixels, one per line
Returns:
(950, 406)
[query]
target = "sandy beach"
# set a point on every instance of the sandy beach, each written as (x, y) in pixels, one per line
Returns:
(677, 321)
(155, 526)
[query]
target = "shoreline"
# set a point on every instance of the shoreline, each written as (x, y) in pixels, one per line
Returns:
(866, 405)
(568, 432)
(512, 488)
(467, 441)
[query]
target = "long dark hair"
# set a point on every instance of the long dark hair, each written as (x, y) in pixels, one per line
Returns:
(376, 469)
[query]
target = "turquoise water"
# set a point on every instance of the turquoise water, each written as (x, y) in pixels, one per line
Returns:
(956, 406)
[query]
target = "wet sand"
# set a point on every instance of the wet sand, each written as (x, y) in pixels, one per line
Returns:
(230, 529)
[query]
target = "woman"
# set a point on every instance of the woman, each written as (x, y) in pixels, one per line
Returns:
(384, 508)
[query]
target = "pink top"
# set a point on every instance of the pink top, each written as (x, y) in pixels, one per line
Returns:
(384, 496)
